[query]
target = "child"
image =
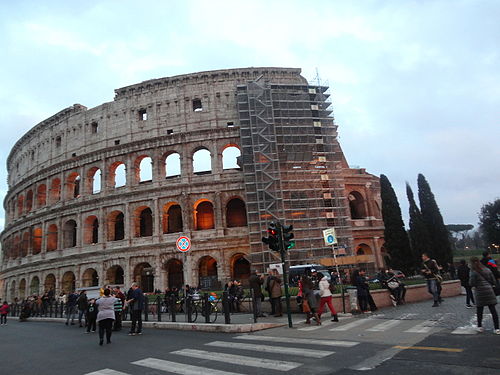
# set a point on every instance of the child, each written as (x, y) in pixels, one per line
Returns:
(91, 316)
(4, 310)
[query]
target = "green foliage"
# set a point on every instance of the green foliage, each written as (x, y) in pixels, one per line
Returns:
(440, 242)
(457, 228)
(397, 243)
(419, 236)
(489, 221)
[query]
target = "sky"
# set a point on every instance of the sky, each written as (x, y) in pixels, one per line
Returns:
(415, 85)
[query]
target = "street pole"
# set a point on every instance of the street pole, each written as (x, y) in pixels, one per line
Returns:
(287, 294)
(340, 277)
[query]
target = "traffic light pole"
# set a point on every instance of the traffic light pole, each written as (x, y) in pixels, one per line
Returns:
(287, 293)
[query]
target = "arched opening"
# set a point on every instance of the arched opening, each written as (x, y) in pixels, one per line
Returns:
(22, 288)
(173, 165)
(175, 273)
(236, 213)
(357, 205)
(68, 282)
(143, 169)
(207, 273)
(55, 190)
(116, 226)
(240, 267)
(117, 175)
(41, 195)
(69, 233)
(204, 216)
(13, 291)
(91, 230)
(20, 205)
(50, 282)
(172, 218)
(35, 286)
(364, 249)
(202, 161)
(143, 222)
(230, 157)
(144, 275)
(115, 275)
(52, 235)
(90, 278)
(73, 185)
(17, 244)
(25, 244)
(37, 240)
(29, 201)
(94, 180)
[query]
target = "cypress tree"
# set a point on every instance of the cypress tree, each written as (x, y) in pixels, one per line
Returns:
(396, 238)
(419, 236)
(438, 234)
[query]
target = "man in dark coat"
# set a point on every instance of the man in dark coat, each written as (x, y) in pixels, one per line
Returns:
(431, 272)
(136, 303)
(256, 282)
(82, 303)
(463, 275)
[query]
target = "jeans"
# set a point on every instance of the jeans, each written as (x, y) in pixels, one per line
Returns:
(136, 317)
(258, 305)
(493, 312)
(434, 288)
(70, 314)
(81, 313)
(469, 296)
(91, 324)
(277, 305)
(105, 325)
(118, 321)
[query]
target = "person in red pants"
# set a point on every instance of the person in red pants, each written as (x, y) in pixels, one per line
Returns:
(326, 297)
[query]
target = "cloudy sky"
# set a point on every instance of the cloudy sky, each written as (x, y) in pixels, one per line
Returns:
(415, 84)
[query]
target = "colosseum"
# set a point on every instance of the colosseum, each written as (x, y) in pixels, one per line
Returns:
(102, 195)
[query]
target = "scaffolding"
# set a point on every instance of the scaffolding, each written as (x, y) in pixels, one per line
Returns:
(292, 169)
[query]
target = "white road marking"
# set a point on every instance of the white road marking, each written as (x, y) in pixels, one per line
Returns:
(315, 327)
(239, 359)
(107, 371)
(424, 327)
(372, 362)
(179, 368)
(293, 340)
(273, 349)
(385, 326)
(465, 331)
(354, 324)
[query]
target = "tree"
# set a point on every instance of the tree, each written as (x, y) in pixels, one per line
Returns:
(489, 222)
(439, 236)
(459, 232)
(419, 236)
(396, 238)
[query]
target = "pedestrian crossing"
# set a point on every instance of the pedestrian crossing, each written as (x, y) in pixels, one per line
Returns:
(253, 352)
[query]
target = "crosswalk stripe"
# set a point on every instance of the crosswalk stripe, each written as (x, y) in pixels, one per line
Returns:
(107, 371)
(273, 349)
(424, 327)
(315, 327)
(293, 340)
(239, 359)
(385, 326)
(179, 368)
(351, 325)
(464, 331)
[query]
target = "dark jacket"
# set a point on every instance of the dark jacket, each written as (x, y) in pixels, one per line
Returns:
(82, 302)
(463, 272)
(72, 299)
(431, 265)
(91, 312)
(256, 285)
(361, 285)
(138, 297)
(483, 283)
(491, 265)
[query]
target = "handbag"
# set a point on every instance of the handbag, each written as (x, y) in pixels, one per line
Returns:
(495, 287)
(393, 284)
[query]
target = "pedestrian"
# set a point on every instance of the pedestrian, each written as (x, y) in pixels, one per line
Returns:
(71, 308)
(433, 278)
(82, 303)
(255, 282)
(395, 287)
(483, 281)
(136, 303)
(489, 262)
(105, 315)
(275, 288)
(463, 273)
(91, 316)
(309, 300)
(4, 311)
(268, 289)
(117, 326)
(326, 297)
(365, 299)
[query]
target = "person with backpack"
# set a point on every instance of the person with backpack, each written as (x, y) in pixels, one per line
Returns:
(325, 293)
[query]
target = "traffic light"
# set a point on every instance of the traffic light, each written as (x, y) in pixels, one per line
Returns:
(288, 243)
(274, 236)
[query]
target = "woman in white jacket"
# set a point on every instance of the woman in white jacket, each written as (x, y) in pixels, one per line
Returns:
(326, 298)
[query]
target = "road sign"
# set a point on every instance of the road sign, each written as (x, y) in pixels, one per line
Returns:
(183, 244)
(330, 236)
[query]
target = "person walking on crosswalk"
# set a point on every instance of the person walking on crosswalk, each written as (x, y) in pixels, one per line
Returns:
(483, 281)
(326, 297)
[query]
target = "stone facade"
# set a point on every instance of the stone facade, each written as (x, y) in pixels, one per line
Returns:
(100, 196)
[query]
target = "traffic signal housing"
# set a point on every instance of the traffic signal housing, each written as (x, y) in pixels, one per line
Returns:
(274, 237)
(288, 236)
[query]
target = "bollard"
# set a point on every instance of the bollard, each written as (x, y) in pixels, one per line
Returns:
(172, 307)
(225, 307)
(254, 305)
(206, 308)
(189, 312)
(158, 308)
(146, 308)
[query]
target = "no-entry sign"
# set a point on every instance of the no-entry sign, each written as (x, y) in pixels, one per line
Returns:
(183, 244)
